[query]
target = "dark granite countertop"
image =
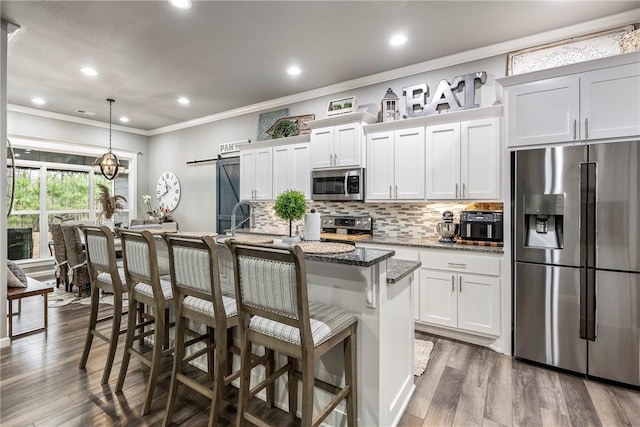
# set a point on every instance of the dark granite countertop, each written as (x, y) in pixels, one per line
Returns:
(360, 257)
(398, 269)
(431, 244)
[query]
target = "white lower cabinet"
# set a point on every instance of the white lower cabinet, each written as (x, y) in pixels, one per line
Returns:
(460, 291)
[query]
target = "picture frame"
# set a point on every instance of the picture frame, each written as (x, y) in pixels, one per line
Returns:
(342, 106)
(266, 120)
(568, 51)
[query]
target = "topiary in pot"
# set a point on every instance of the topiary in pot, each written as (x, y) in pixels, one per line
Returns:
(291, 205)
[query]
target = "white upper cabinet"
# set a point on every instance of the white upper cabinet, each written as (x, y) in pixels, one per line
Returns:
(395, 165)
(292, 169)
(543, 112)
(256, 174)
(610, 102)
(583, 106)
(338, 142)
(337, 146)
(464, 160)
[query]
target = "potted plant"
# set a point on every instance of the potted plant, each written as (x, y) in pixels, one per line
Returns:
(108, 203)
(291, 205)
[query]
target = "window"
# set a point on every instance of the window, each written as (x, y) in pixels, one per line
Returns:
(54, 186)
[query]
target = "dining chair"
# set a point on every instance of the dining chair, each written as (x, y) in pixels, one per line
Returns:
(199, 300)
(274, 311)
(150, 298)
(76, 258)
(60, 256)
(105, 276)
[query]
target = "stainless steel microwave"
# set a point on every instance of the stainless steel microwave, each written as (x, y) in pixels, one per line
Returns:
(337, 184)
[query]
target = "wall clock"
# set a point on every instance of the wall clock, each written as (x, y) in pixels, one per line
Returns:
(168, 191)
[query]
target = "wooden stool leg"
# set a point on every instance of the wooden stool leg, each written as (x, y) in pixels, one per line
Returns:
(210, 354)
(10, 319)
(158, 340)
(308, 385)
(351, 377)
(178, 357)
(292, 383)
(245, 378)
(93, 317)
(131, 330)
(269, 369)
(115, 333)
(219, 371)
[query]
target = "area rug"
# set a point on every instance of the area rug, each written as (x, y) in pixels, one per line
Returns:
(60, 298)
(421, 353)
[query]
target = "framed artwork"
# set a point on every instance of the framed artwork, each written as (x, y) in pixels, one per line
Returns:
(266, 120)
(564, 52)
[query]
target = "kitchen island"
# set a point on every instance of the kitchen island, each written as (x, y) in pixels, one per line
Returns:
(357, 281)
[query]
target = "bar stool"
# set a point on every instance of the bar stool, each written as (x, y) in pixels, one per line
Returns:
(274, 311)
(146, 288)
(198, 298)
(105, 276)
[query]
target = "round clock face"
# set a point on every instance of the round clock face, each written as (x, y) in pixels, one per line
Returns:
(168, 191)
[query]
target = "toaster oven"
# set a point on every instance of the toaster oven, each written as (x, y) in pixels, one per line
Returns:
(481, 225)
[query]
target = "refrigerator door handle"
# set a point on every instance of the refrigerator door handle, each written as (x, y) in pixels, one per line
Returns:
(591, 304)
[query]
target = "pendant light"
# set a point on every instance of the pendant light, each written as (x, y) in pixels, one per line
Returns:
(108, 164)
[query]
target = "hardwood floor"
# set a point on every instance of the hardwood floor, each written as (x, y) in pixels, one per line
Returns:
(464, 385)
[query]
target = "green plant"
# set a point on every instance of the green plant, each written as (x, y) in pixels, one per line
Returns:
(347, 104)
(285, 128)
(291, 205)
(336, 107)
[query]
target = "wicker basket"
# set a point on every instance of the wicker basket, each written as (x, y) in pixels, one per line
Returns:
(630, 42)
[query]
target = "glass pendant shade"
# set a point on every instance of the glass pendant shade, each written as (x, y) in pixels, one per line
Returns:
(108, 164)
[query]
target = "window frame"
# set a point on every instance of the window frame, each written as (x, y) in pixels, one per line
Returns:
(74, 149)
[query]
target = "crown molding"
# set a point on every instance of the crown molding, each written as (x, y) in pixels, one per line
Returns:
(596, 25)
(73, 119)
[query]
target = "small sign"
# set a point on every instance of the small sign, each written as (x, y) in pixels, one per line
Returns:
(444, 97)
(231, 147)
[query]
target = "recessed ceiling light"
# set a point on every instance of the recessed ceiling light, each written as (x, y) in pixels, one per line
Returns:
(89, 71)
(183, 100)
(124, 119)
(398, 40)
(38, 101)
(181, 4)
(293, 71)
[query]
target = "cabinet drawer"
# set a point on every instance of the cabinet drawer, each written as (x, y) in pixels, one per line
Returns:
(449, 260)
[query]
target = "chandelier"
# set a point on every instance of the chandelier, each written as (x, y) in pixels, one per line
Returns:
(108, 164)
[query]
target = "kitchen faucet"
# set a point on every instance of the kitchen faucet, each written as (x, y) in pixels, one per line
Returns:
(251, 217)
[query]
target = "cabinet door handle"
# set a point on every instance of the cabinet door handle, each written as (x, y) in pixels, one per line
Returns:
(396, 191)
(575, 126)
(586, 128)
(453, 283)
(464, 189)
(460, 284)
(456, 190)
(335, 159)
(390, 192)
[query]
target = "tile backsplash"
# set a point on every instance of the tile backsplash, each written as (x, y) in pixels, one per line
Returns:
(417, 220)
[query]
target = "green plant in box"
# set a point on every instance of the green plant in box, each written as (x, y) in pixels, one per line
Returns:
(291, 205)
(285, 128)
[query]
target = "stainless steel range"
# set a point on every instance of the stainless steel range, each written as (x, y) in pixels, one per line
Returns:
(346, 228)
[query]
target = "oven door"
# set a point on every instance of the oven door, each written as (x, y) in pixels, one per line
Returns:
(342, 184)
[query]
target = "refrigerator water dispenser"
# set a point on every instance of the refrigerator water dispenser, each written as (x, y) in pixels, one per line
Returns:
(543, 220)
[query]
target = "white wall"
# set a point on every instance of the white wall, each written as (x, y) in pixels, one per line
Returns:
(171, 151)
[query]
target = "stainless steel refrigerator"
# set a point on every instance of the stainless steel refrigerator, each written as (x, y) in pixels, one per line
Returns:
(576, 234)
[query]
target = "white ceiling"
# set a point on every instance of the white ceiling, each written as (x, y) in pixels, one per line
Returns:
(229, 54)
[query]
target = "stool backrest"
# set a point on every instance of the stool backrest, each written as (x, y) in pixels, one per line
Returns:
(101, 254)
(272, 283)
(193, 265)
(141, 260)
